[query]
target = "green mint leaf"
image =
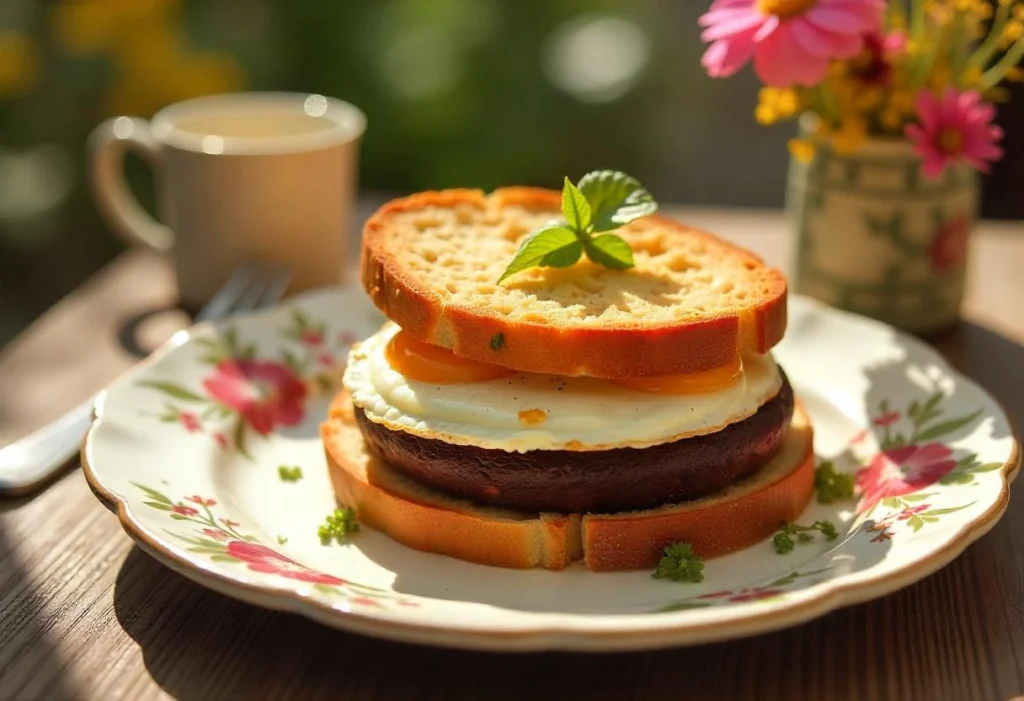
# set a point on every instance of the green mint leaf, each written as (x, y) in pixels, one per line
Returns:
(610, 250)
(554, 246)
(575, 208)
(615, 199)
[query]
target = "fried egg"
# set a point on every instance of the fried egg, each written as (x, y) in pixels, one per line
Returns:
(520, 412)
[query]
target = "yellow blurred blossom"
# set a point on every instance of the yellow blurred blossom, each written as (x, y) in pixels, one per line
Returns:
(1012, 31)
(850, 135)
(19, 64)
(145, 42)
(88, 27)
(801, 149)
(775, 104)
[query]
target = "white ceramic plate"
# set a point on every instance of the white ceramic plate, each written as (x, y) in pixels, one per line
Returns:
(186, 448)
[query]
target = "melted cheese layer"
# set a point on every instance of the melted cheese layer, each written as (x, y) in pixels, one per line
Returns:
(563, 413)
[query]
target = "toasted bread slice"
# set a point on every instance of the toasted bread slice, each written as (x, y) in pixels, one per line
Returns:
(431, 263)
(425, 519)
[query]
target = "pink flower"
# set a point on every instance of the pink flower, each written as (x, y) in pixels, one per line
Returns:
(260, 558)
(860, 436)
(215, 534)
(326, 359)
(190, 422)
(312, 337)
(717, 594)
(887, 419)
(184, 510)
(196, 499)
(347, 338)
(911, 511)
(903, 470)
(791, 41)
(221, 440)
(948, 248)
(265, 393)
(364, 601)
(229, 523)
(957, 127)
(754, 594)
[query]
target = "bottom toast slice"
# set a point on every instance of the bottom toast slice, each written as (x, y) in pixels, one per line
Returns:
(425, 519)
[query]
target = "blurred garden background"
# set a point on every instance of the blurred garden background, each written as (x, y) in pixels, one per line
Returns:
(457, 93)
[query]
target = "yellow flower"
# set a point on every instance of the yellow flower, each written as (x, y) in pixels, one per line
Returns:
(851, 134)
(775, 104)
(891, 118)
(765, 115)
(971, 76)
(1012, 31)
(145, 42)
(88, 27)
(867, 98)
(787, 102)
(19, 64)
(801, 149)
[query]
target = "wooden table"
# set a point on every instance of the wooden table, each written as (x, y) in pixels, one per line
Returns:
(85, 614)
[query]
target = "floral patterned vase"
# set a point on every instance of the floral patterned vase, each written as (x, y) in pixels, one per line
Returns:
(873, 235)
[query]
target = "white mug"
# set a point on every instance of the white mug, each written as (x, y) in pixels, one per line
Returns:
(270, 176)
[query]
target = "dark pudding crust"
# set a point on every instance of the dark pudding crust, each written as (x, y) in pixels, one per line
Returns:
(566, 481)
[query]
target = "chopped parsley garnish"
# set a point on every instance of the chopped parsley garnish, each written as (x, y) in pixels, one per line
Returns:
(497, 341)
(338, 526)
(831, 485)
(289, 474)
(784, 542)
(680, 564)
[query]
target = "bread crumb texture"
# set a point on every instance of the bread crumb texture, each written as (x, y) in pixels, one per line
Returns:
(457, 253)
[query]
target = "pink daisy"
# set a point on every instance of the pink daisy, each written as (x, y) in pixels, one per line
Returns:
(959, 126)
(790, 41)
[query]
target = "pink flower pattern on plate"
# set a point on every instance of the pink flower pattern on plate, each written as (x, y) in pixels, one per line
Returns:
(265, 393)
(904, 470)
(260, 558)
(190, 422)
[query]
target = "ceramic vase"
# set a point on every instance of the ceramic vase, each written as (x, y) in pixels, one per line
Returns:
(872, 234)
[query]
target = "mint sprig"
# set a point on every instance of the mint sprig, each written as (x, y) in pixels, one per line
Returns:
(603, 201)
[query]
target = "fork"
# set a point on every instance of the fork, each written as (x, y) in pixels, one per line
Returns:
(31, 461)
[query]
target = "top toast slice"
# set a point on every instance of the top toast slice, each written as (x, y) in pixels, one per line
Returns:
(431, 262)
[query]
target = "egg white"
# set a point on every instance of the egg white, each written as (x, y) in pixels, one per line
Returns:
(581, 413)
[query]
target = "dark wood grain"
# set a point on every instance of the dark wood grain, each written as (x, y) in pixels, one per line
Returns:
(86, 614)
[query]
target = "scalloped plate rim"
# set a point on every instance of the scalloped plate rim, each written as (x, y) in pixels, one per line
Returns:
(652, 630)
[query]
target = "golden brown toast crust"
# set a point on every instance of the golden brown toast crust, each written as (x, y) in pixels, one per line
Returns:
(434, 522)
(625, 348)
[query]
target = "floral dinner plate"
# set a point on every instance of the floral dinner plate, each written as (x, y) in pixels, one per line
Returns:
(196, 450)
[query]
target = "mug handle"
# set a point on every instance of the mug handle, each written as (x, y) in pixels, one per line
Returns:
(109, 143)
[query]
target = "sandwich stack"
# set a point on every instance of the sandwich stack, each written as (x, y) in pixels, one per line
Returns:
(571, 413)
